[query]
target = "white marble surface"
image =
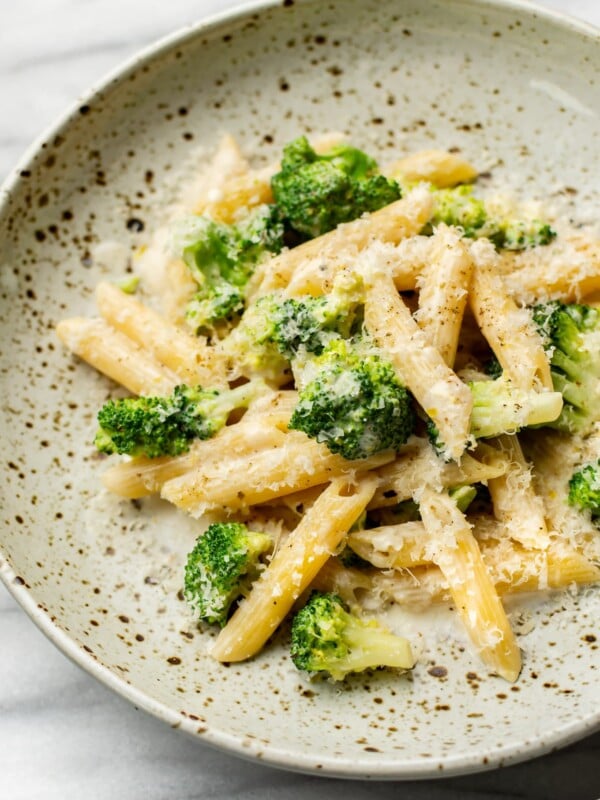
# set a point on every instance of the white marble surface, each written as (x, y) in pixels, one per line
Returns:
(62, 735)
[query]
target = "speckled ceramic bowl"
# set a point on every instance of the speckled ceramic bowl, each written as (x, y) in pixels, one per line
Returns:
(512, 87)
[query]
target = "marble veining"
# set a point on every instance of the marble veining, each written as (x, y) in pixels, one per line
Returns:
(62, 735)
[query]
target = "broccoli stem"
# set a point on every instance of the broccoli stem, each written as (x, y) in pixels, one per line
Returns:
(371, 646)
(463, 496)
(224, 403)
(499, 407)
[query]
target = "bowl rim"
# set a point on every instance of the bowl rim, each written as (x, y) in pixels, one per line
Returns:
(398, 769)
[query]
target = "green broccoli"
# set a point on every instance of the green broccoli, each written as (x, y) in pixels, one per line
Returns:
(326, 638)
(584, 489)
(274, 329)
(165, 426)
(463, 496)
(315, 193)
(572, 337)
(251, 345)
(312, 322)
(519, 234)
(221, 568)
(459, 207)
(352, 401)
(304, 323)
(499, 407)
(493, 368)
(222, 258)
(349, 559)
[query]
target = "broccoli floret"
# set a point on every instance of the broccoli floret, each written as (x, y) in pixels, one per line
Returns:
(353, 402)
(129, 284)
(572, 337)
(584, 489)
(222, 258)
(459, 207)
(520, 234)
(251, 344)
(326, 638)
(274, 329)
(165, 426)
(221, 567)
(315, 193)
(312, 322)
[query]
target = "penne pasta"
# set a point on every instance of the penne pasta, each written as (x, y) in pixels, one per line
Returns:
(226, 164)
(395, 222)
(188, 357)
(251, 188)
(116, 356)
(417, 465)
(456, 553)
(261, 428)
(444, 286)
(240, 192)
(293, 567)
(508, 329)
(568, 270)
(401, 546)
(438, 167)
(556, 568)
(438, 390)
(294, 466)
(515, 502)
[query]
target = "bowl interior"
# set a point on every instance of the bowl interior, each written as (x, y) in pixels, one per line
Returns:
(514, 90)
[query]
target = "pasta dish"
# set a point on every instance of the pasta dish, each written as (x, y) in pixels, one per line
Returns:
(372, 387)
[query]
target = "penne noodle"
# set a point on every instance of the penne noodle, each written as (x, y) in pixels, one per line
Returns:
(187, 356)
(438, 167)
(509, 330)
(142, 476)
(515, 502)
(297, 464)
(556, 568)
(438, 390)
(406, 217)
(251, 188)
(179, 290)
(401, 546)
(241, 192)
(226, 164)
(116, 356)
(262, 427)
(515, 568)
(293, 567)
(568, 269)
(417, 465)
(444, 286)
(405, 262)
(456, 553)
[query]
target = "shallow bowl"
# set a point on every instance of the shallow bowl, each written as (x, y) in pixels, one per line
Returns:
(517, 91)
